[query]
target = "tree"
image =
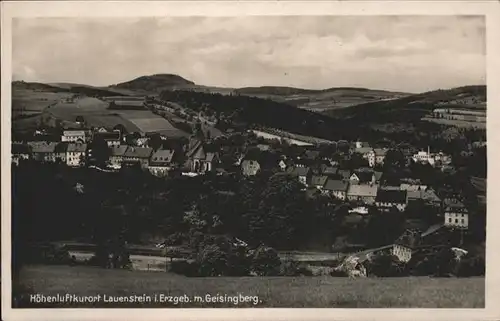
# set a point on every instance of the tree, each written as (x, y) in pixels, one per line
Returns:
(276, 213)
(471, 265)
(394, 159)
(100, 151)
(155, 141)
(218, 255)
(445, 262)
(131, 139)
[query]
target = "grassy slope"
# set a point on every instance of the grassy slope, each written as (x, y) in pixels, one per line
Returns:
(272, 291)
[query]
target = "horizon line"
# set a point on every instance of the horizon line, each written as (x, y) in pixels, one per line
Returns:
(236, 88)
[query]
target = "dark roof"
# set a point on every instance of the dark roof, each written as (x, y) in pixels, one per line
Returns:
(263, 147)
(362, 190)
(193, 147)
(62, 147)
(454, 207)
(364, 176)
(128, 103)
(114, 135)
(119, 151)
(329, 170)
(74, 132)
(344, 173)
(311, 154)
(363, 150)
(79, 148)
(318, 180)
(453, 202)
(380, 151)
(391, 196)
(378, 175)
(139, 152)
(303, 161)
(298, 171)
(336, 185)
(363, 144)
(428, 195)
(162, 156)
(20, 149)
(42, 147)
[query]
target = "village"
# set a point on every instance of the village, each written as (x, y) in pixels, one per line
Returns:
(354, 174)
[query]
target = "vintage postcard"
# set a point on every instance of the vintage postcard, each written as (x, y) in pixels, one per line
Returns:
(249, 160)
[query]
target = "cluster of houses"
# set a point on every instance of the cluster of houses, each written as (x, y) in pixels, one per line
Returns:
(361, 186)
(74, 148)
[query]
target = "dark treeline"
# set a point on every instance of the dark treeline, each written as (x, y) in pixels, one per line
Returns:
(257, 112)
(87, 205)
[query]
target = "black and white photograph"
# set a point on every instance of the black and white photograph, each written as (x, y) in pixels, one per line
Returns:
(263, 161)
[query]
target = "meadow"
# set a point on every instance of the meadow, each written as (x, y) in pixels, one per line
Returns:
(299, 292)
(457, 123)
(32, 102)
(95, 113)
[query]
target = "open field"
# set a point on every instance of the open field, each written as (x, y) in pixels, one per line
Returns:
(95, 113)
(27, 124)
(457, 123)
(31, 101)
(297, 292)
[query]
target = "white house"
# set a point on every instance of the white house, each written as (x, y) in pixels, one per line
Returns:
(73, 136)
(75, 154)
(402, 252)
(376, 156)
(456, 215)
(431, 158)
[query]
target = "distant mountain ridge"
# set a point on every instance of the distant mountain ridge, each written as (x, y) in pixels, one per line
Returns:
(327, 101)
(283, 90)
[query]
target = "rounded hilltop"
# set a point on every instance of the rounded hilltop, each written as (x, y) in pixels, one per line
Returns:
(156, 82)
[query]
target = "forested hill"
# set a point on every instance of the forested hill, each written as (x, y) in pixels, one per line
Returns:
(254, 111)
(414, 107)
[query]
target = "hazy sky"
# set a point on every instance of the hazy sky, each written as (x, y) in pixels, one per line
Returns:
(406, 53)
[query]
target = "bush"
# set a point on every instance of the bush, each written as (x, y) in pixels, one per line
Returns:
(294, 268)
(471, 266)
(212, 260)
(266, 261)
(386, 265)
(190, 269)
(421, 266)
